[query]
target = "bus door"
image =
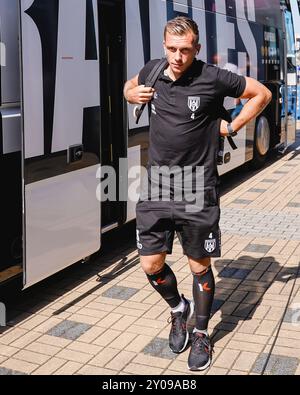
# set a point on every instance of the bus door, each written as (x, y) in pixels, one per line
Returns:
(61, 134)
(10, 142)
(113, 127)
(289, 93)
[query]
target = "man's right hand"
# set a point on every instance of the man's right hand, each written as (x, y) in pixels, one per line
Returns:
(139, 94)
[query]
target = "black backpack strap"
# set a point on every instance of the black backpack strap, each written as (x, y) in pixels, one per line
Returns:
(231, 142)
(150, 82)
(154, 74)
(226, 116)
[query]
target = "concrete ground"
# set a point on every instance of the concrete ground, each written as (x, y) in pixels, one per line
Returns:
(104, 318)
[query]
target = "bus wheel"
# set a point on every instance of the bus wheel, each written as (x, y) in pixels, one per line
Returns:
(261, 144)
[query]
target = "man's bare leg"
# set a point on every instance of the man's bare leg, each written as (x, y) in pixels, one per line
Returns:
(199, 265)
(153, 263)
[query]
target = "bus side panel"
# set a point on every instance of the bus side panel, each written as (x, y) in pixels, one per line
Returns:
(61, 134)
(62, 223)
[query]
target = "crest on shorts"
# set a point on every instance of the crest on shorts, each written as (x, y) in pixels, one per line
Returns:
(210, 244)
(194, 103)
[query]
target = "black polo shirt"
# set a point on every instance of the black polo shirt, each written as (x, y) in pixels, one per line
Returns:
(185, 116)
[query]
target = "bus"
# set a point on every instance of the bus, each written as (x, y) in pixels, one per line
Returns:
(63, 116)
(295, 7)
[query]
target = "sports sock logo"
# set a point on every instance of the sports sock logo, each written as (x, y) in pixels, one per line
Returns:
(159, 281)
(204, 287)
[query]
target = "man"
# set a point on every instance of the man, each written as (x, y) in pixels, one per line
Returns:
(185, 127)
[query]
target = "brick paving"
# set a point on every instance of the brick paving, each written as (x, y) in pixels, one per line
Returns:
(105, 319)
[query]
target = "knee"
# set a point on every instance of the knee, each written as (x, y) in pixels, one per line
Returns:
(199, 265)
(153, 264)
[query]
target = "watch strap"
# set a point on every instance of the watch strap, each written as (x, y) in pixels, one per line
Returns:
(230, 130)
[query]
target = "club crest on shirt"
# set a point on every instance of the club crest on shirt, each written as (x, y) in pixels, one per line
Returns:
(194, 103)
(210, 245)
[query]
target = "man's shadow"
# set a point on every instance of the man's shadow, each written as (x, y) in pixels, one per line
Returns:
(246, 293)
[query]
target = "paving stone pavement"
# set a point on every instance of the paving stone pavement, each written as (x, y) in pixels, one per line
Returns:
(105, 319)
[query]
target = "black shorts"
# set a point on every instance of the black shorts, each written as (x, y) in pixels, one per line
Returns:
(198, 233)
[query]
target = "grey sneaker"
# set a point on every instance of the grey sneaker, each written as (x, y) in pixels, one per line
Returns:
(179, 335)
(200, 353)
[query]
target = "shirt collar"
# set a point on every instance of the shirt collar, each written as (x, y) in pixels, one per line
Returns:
(194, 70)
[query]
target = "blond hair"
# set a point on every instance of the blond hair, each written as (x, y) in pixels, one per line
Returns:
(180, 26)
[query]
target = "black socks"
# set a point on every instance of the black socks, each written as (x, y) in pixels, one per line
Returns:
(165, 283)
(203, 293)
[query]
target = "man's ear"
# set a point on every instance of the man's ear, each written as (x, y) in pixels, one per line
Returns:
(198, 48)
(165, 49)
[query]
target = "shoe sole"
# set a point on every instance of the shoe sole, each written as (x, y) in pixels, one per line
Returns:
(187, 332)
(195, 369)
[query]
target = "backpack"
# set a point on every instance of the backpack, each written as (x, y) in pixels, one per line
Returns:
(150, 82)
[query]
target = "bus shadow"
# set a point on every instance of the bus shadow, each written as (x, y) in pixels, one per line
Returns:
(251, 286)
(22, 306)
(103, 279)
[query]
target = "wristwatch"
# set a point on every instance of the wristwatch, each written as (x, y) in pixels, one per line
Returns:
(231, 132)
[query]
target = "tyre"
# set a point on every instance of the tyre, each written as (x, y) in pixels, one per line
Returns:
(261, 143)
